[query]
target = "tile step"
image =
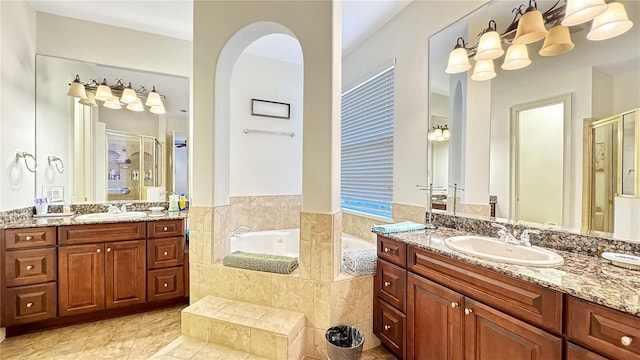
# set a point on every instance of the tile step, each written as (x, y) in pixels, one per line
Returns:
(185, 347)
(260, 330)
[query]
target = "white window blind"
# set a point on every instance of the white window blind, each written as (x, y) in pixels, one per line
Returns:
(367, 146)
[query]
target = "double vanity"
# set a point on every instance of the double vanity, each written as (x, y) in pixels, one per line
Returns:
(59, 271)
(433, 301)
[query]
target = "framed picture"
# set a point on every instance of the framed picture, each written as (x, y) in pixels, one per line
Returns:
(598, 158)
(272, 109)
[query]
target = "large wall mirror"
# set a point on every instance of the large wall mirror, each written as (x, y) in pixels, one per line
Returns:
(92, 153)
(538, 169)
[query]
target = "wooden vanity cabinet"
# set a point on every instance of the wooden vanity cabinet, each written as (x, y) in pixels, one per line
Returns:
(165, 260)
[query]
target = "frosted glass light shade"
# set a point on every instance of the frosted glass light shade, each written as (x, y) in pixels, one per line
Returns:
(136, 105)
(90, 100)
(483, 71)
(581, 11)
(490, 46)
(103, 93)
(458, 61)
(517, 57)
(153, 98)
(157, 110)
(76, 89)
(113, 103)
(557, 42)
(613, 22)
(128, 95)
(446, 134)
(530, 28)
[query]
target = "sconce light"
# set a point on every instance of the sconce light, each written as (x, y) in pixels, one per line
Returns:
(103, 92)
(483, 71)
(90, 100)
(581, 11)
(76, 89)
(439, 133)
(557, 42)
(490, 45)
(158, 110)
(113, 103)
(128, 95)
(530, 26)
(135, 105)
(517, 57)
(611, 23)
(458, 59)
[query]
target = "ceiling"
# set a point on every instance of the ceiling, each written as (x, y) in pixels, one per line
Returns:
(174, 18)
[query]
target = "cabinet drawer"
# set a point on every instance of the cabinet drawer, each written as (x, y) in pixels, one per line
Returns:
(99, 233)
(165, 228)
(27, 267)
(389, 325)
(607, 331)
(393, 251)
(575, 352)
(391, 284)
(163, 253)
(165, 284)
(29, 237)
(527, 301)
(31, 303)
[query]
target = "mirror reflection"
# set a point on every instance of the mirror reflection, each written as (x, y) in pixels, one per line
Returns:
(103, 149)
(540, 165)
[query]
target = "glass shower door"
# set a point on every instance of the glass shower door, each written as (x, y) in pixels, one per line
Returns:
(123, 166)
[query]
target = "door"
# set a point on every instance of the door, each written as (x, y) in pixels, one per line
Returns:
(80, 279)
(605, 175)
(491, 334)
(434, 323)
(125, 273)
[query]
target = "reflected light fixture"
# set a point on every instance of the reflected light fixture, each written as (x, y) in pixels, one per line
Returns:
(580, 11)
(103, 92)
(135, 105)
(158, 110)
(90, 100)
(530, 26)
(483, 71)
(153, 98)
(439, 133)
(490, 45)
(557, 42)
(611, 23)
(76, 89)
(113, 103)
(458, 59)
(517, 57)
(128, 95)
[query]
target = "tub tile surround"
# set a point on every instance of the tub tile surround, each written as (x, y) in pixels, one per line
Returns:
(404, 212)
(360, 225)
(272, 212)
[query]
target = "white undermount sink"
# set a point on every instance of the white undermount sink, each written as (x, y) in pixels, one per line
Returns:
(499, 251)
(112, 216)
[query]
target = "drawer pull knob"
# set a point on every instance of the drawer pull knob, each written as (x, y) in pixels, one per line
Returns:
(29, 237)
(108, 249)
(387, 283)
(467, 311)
(29, 304)
(626, 340)
(387, 327)
(165, 228)
(166, 284)
(454, 305)
(165, 253)
(98, 251)
(387, 250)
(29, 267)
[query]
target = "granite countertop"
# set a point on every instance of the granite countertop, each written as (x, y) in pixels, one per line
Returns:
(71, 220)
(586, 277)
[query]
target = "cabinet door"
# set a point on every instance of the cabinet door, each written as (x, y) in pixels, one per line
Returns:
(389, 325)
(434, 321)
(491, 334)
(575, 352)
(80, 279)
(125, 273)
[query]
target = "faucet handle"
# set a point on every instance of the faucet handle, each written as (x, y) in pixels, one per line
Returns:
(499, 226)
(524, 237)
(123, 207)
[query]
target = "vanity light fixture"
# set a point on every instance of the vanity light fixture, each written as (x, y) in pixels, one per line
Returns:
(557, 42)
(439, 133)
(483, 70)
(530, 26)
(490, 45)
(103, 92)
(90, 100)
(158, 110)
(580, 11)
(611, 23)
(458, 59)
(135, 105)
(113, 103)
(153, 98)
(517, 57)
(76, 89)
(89, 93)
(128, 95)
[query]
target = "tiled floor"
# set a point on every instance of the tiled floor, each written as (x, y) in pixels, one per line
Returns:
(130, 337)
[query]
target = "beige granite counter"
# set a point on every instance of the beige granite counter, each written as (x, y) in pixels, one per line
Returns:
(586, 277)
(71, 220)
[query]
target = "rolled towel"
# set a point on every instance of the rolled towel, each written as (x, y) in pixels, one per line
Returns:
(397, 227)
(261, 262)
(359, 262)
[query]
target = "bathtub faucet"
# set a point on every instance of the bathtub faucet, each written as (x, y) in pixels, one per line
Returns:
(239, 230)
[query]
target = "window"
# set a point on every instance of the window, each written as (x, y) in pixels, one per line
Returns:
(367, 146)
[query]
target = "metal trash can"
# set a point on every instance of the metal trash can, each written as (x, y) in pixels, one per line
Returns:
(344, 343)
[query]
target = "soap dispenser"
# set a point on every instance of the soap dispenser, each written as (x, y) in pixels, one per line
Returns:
(173, 203)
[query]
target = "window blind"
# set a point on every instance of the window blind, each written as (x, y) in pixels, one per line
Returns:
(367, 146)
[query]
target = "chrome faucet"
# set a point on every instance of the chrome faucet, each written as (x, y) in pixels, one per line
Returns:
(505, 235)
(114, 209)
(123, 208)
(239, 230)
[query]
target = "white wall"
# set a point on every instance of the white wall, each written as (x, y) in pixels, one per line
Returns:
(405, 38)
(137, 123)
(626, 91)
(17, 113)
(263, 164)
